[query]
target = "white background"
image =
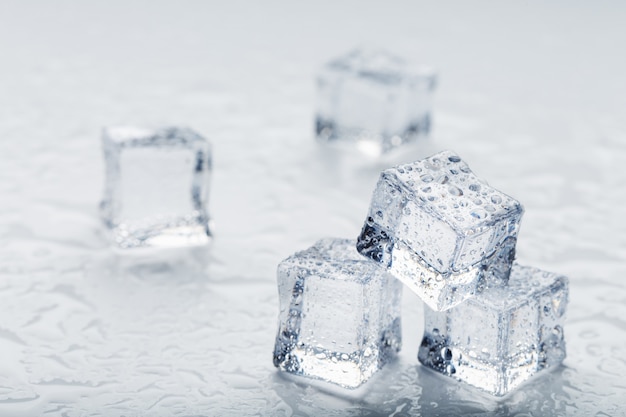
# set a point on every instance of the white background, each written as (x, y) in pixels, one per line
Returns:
(532, 95)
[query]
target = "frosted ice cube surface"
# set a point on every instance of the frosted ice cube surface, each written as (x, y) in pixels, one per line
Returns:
(373, 100)
(500, 338)
(440, 229)
(157, 185)
(339, 317)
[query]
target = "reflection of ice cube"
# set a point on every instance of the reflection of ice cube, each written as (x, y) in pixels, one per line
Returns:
(441, 230)
(501, 337)
(157, 184)
(373, 100)
(339, 315)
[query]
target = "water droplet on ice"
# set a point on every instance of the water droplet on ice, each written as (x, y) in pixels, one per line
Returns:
(446, 353)
(479, 214)
(454, 190)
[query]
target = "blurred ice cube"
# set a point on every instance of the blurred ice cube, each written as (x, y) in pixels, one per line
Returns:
(373, 100)
(157, 185)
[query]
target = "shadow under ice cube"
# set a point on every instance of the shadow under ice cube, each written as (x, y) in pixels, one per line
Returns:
(374, 101)
(339, 315)
(157, 185)
(503, 336)
(440, 229)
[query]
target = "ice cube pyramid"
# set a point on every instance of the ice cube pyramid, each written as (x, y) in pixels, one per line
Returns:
(450, 238)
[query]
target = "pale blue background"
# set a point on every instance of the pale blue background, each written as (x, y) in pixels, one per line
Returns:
(532, 95)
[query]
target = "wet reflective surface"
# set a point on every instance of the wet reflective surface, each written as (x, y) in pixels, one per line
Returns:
(86, 331)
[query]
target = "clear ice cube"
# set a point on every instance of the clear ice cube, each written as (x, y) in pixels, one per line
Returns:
(373, 100)
(157, 185)
(501, 337)
(339, 315)
(440, 229)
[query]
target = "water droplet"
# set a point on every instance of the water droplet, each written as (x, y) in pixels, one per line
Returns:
(432, 198)
(426, 189)
(478, 201)
(450, 369)
(454, 158)
(379, 214)
(474, 187)
(432, 165)
(443, 179)
(459, 218)
(490, 208)
(496, 199)
(479, 214)
(446, 353)
(454, 190)
(426, 178)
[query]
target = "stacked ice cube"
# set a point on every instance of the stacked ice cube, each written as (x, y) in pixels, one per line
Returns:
(450, 238)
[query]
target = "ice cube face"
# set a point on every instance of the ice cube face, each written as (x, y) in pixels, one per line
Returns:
(157, 185)
(339, 317)
(374, 101)
(501, 337)
(441, 230)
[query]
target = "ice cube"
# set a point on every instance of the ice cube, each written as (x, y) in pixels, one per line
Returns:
(501, 337)
(441, 230)
(339, 315)
(157, 185)
(373, 100)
